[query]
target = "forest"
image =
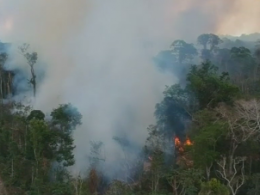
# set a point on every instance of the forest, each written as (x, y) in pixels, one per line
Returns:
(206, 139)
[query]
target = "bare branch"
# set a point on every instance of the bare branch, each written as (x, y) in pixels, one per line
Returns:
(31, 60)
(243, 120)
(235, 179)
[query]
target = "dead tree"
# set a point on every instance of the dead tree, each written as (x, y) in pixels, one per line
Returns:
(2, 61)
(243, 121)
(78, 185)
(93, 181)
(234, 178)
(31, 60)
(5, 88)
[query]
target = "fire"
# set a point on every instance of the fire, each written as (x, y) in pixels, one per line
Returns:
(188, 142)
(177, 141)
(180, 145)
(183, 158)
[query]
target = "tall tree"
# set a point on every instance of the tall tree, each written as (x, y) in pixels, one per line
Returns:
(31, 60)
(65, 119)
(243, 67)
(223, 59)
(207, 134)
(3, 58)
(210, 40)
(6, 77)
(174, 111)
(183, 51)
(209, 43)
(208, 86)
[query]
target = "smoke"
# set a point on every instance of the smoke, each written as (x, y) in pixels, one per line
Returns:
(98, 54)
(241, 19)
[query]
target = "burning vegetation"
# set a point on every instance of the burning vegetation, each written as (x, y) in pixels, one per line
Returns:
(182, 156)
(180, 145)
(179, 152)
(30, 144)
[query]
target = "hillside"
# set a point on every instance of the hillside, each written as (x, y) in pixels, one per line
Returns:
(205, 140)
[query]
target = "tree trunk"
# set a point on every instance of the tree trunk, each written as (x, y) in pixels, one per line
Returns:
(208, 168)
(174, 187)
(9, 83)
(33, 80)
(2, 188)
(1, 83)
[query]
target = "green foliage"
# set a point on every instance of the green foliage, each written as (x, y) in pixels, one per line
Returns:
(61, 188)
(207, 135)
(40, 136)
(36, 114)
(174, 110)
(185, 181)
(209, 87)
(213, 187)
(30, 147)
(66, 117)
(223, 133)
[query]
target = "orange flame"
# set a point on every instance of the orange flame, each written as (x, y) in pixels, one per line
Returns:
(188, 142)
(182, 156)
(180, 145)
(177, 141)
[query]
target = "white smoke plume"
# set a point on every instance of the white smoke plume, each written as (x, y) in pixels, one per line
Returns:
(98, 54)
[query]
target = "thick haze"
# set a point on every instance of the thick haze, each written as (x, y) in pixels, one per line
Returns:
(97, 55)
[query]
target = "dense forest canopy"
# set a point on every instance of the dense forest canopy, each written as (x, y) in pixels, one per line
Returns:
(205, 141)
